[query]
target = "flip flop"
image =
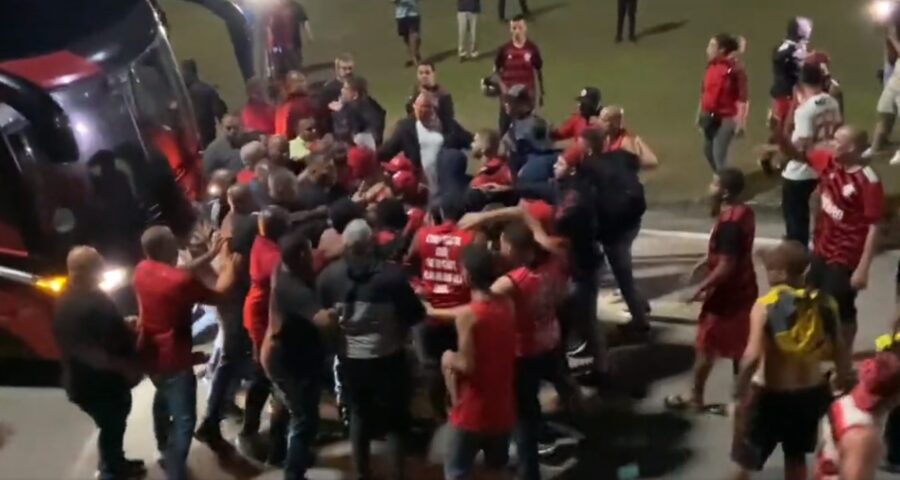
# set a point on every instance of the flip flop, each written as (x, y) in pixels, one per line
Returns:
(682, 404)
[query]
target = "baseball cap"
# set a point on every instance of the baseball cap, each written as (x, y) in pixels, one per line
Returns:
(879, 380)
(590, 96)
(405, 183)
(541, 211)
(361, 162)
(789, 256)
(399, 164)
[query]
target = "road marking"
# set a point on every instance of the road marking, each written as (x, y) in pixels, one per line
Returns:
(767, 241)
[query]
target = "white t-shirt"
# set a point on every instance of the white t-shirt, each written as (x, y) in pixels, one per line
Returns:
(816, 119)
(430, 144)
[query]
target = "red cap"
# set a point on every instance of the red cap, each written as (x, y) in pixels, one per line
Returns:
(361, 162)
(879, 380)
(573, 154)
(405, 183)
(541, 211)
(400, 164)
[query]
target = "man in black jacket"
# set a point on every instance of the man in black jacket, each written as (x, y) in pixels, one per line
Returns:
(98, 358)
(405, 137)
(426, 80)
(356, 112)
(209, 108)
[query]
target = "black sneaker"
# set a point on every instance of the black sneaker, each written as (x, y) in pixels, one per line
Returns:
(210, 434)
(129, 469)
(618, 39)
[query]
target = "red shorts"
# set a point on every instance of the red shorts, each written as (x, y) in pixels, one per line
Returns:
(781, 107)
(723, 336)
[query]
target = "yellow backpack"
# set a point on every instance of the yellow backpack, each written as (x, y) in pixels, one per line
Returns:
(801, 322)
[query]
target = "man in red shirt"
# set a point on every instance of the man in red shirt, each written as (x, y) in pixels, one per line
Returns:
(166, 296)
(437, 250)
(258, 115)
(589, 105)
(852, 203)
(519, 62)
(537, 287)
(264, 257)
(728, 290)
(480, 374)
(284, 37)
(296, 105)
(723, 101)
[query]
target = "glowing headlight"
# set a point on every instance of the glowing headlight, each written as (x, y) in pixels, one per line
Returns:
(52, 285)
(112, 279)
(882, 10)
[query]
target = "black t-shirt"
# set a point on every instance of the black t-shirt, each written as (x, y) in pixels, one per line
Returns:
(244, 228)
(298, 346)
(618, 192)
(576, 221)
(89, 320)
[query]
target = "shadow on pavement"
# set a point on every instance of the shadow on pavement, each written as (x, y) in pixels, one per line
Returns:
(661, 28)
(440, 56)
(617, 435)
(545, 9)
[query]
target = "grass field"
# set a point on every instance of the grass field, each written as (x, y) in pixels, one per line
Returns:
(656, 80)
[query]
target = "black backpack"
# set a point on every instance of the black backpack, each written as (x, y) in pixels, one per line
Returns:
(617, 190)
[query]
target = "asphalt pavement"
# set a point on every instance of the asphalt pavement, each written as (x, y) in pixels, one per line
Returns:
(42, 436)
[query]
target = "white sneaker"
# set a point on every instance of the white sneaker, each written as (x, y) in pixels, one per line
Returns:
(868, 153)
(895, 160)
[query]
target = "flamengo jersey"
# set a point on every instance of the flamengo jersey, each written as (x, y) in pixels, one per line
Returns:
(852, 201)
(815, 119)
(440, 249)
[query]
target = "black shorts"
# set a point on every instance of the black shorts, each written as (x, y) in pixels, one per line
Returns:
(834, 280)
(408, 25)
(771, 418)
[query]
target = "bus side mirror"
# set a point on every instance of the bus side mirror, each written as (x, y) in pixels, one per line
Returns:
(50, 123)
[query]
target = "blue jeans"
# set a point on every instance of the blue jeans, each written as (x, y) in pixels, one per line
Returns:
(174, 416)
(300, 395)
(529, 373)
(463, 447)
(234, 362)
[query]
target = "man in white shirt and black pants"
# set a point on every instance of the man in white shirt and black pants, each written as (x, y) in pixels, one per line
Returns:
(816, 118)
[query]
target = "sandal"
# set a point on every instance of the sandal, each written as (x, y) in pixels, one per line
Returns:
(683, 403)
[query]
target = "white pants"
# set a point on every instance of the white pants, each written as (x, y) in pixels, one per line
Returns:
(468, 28)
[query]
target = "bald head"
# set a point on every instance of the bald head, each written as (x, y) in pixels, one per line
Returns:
(231, 127)
(84, 265)
(611, 118)
(278, 150)
(159, 244)
(849, 143)
(240, 199)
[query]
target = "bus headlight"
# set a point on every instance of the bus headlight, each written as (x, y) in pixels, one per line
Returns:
(113, 279)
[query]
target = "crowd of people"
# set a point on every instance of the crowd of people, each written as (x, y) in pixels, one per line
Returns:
(337, 258)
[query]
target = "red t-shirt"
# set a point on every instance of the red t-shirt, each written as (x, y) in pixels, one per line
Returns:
(517, 65)
(572, 128)
(166, 296)
(724, 86)
(289, 112)
(486, 402)
(244, 177)
(538, 293)
(733, 236)
(852, 201)
(258, 117)
(440, 250)
(494, 171)
(264, 257)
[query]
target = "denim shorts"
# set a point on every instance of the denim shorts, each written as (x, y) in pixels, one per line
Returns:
(463, 446)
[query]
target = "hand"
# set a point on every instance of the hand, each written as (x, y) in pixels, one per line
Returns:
(325, 318)
(860, 279)
(469, 221)
(447, 360)
(429, 309)
(219, 245)
(740, 130)
(697, 296)
(335, 106)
